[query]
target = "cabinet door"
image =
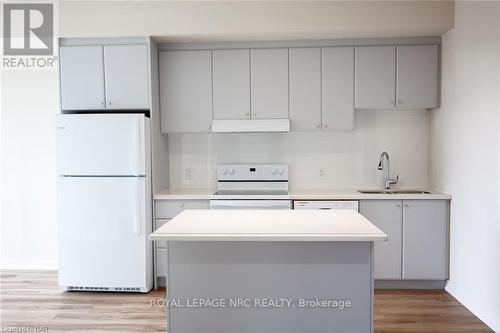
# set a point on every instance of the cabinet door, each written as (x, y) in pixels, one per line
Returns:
(161, 262)
(231, 80)
(387, 216)
(375, 80)
(127, 76)
(82, 77)
(185, 91)
(338, 88)
(425, 239)
(305, 89)
(159, 223)
(417, 76)
(269, 82)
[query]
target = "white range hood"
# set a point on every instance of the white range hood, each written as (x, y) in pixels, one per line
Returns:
(250, 125)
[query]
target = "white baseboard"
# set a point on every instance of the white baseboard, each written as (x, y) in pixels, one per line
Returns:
(27, 264)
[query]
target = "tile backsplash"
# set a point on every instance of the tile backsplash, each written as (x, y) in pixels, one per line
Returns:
(317, 160)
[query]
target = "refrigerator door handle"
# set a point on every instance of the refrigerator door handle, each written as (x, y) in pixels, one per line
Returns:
(139, 145)
(138, 209)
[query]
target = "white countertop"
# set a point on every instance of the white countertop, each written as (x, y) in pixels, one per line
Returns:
(306, 194)
(352, 194)
(269, 225)
(184, 194)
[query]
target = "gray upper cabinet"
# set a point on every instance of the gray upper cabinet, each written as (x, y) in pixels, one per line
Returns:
(397, 77)
(185, 91)
(231, 84)
(105, 77)
(305, 89)
(338, 88)
(127, 76)
(375, 83)
(417, 76)
(387, 216)
(425, 239)
(82, 77)
(269, 83)
(317, 88)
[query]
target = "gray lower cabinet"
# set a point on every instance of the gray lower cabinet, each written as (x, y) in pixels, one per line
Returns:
(185, 91)
(165, 210)
(386, 215)
(158, 224)
(417, 245)
(425, 239)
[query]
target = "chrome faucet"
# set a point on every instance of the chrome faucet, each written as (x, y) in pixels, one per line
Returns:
(388, 180)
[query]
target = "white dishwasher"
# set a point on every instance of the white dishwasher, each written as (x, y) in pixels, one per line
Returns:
(327, 204)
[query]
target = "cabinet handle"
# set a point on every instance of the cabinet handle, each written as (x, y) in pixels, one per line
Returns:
(400, 101)
(318, 126)
(109, 103)
(181, 204)
(255, 114)
(247, 114)
(326, 126)
(398, 205)
(406, 206)
(101, 103)
(392, 102)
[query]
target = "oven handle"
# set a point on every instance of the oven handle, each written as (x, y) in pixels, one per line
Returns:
(250, 204)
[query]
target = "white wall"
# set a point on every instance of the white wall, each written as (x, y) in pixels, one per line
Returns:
(465, 155)
(255, 20)
(28, 217)
(349, 158)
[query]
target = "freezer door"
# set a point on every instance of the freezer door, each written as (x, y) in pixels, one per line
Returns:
(100, 144)
(103, 234)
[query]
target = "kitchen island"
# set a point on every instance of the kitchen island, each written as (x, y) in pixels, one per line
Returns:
(269, 271)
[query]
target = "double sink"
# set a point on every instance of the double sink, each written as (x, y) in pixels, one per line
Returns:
(394, 192)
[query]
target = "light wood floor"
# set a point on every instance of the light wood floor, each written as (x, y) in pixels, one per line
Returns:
(30, 298)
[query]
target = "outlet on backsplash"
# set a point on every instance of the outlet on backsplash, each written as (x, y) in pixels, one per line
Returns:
(188, 173)
(322, 174)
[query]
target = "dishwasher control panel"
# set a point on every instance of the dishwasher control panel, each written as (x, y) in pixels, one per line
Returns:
(324, 204)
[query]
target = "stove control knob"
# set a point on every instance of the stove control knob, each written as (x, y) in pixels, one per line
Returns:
(281, 171)
(231, 172)
(274, 171)
(225, 172)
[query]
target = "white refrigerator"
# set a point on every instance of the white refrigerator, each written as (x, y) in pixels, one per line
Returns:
(104, 202)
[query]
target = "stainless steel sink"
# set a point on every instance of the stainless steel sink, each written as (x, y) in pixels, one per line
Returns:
(412, 192)
(393, 192)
